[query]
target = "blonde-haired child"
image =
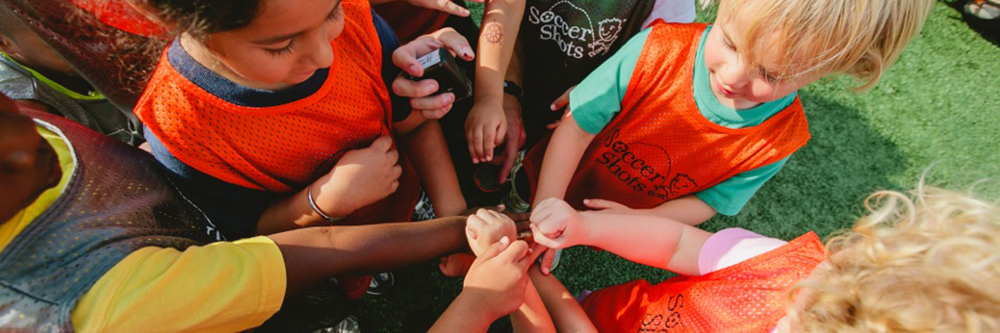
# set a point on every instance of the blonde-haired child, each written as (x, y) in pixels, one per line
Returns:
(910, 265)
(687, 121)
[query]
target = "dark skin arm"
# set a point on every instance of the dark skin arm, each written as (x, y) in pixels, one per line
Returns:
(314, 254)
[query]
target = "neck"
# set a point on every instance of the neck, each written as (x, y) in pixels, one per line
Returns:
(211, 60)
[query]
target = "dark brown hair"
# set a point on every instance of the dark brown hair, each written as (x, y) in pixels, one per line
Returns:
(201, 17)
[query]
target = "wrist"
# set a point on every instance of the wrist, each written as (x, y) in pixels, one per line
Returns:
(587, 229)
(513, 89)
(319, 212)
(478, 299)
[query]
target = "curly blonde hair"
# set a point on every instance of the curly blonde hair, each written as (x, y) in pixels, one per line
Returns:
(860, 38)
(912, 265)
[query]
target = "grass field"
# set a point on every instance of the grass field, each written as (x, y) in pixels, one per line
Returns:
(935, 110)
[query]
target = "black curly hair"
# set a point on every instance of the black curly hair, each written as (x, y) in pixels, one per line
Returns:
(201, 17)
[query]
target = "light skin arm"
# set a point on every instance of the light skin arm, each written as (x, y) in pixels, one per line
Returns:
(486, 126)
(423, 141)
(687, 209)
(675, 247)
(532, 316)
(563, 154)
(314, 254)
(566, 313)
(494, 287)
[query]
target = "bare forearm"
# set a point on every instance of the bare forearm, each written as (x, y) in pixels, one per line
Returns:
(290, 213)
(314, 254)
(561, 159)
(532, 315)
(501, 22)
(688, 210)
(426, 148)
(674, 247)
(566, 313)
(463, 315)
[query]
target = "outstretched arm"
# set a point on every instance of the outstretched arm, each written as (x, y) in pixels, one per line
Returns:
(687, 209)
(562, 156)
(566, 313)
(314, 254)
(646, 239)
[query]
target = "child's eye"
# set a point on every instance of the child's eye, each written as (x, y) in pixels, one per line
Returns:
(768, 76)
(281, 51)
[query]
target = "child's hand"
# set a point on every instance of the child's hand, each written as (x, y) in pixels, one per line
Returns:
(488, 227)
(561, 103)
(360, 178)
(405, 57)
(498, 277)
(443, 5)
(555, 224)
(485, 128)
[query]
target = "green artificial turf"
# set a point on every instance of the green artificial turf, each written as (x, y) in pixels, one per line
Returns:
(936, 110)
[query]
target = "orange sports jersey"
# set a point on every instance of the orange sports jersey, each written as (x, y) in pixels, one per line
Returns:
(660, 147)
(283, 148)
(750, 296)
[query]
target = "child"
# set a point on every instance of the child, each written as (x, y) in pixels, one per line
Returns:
(94, 237)
(33, 72)
(687, 121)
(277, 116)
(911, 265)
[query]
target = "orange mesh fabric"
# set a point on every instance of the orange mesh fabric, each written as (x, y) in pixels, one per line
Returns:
(750, 296)
(283, 148)
(116, 62)
(660, 147)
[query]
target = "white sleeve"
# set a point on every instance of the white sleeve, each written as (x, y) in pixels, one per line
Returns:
(680, 11)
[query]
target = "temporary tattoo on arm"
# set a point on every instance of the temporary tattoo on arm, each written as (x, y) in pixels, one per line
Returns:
(493, 33)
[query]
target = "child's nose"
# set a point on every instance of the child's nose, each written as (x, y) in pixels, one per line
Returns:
(321, 52)
(735, 74)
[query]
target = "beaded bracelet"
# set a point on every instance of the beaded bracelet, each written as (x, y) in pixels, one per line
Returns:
(312, 203)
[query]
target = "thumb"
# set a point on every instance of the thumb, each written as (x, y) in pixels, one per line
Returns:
(494, 250)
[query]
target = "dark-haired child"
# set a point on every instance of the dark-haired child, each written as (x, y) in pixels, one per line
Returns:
(276, 115)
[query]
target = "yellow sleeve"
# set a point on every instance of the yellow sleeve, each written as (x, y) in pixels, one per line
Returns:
(222, 287)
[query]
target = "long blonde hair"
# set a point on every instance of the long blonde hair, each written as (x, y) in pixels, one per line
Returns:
(926, 264)
(861, 38)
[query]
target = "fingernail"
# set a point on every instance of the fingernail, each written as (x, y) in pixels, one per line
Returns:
(552, 106)
(414, 68)
(501, 207)
(586, 201)
(467, 52)
(504, 240)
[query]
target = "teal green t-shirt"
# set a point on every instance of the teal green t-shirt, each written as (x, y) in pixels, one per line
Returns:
(596, 100)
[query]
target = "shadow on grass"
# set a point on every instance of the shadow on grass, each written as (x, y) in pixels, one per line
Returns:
(821, 189)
